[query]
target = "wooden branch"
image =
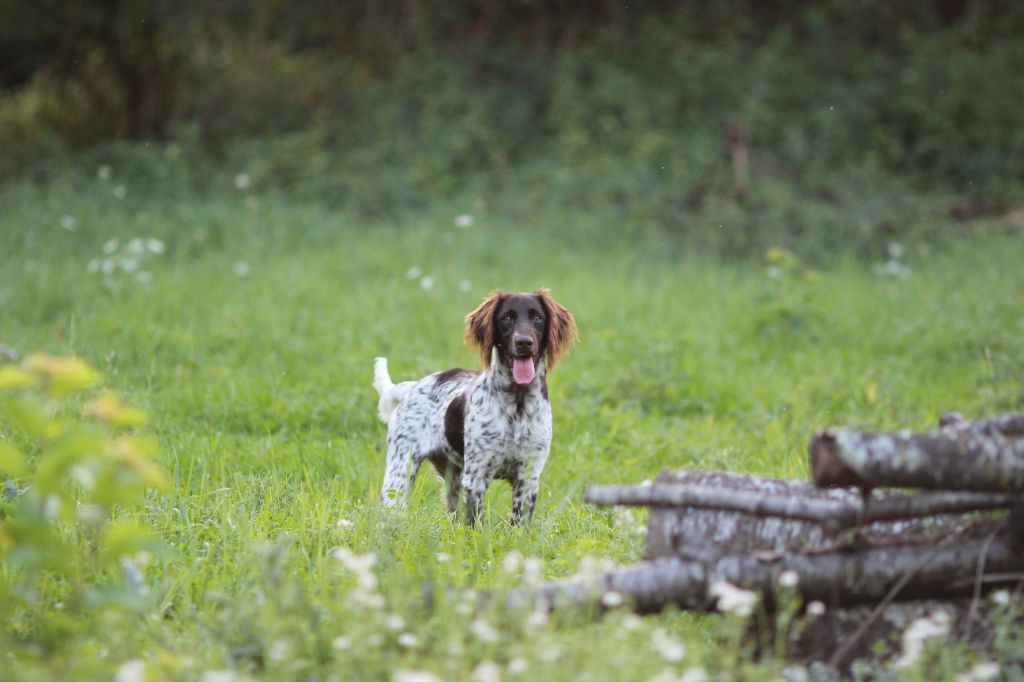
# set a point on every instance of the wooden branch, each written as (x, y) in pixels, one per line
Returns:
(836, 513)
(843, 579)
(985, 455)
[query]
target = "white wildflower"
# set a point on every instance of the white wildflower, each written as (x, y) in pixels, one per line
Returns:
(789, 579)
(374, 640)
(120, 192)
(427, 282)
(795, 673)
(94, 265)
(487, 671)
(243, 181)
(414, 272)
(537, 619)
(464, 285)
(646, 482)
(671, 649)
(241, 269)
(345, 524)
(483, 631)
(896, 250)
(408, 640)
(532, 568)
(342, 643)
(611, 599)
(68, 222)
(109, 265)
(1001, 597)
(104, 173)
(221, 676)
(920, 631)
(694, 675)
(980, 672)
(279, 650)
(631, 621)
(130, 265)
(442, 558)
(415, 676)
(816, 608)
(732, 599)
(131, 671)
(518, 666)
(512, 562)
(464, 220)
(775, 272)
(550, 654)
(110, 246)
(154, 245)
(394, 622)
(136, 245)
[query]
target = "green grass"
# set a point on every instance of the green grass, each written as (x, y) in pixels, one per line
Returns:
(260, 391)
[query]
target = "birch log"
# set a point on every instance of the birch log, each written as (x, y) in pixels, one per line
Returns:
(984, 455)
(672, 530)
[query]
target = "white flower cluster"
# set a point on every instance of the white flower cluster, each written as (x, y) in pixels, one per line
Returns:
(128, 259)
(894, 267)
(361, 566)
(732, 599)
(933, 626)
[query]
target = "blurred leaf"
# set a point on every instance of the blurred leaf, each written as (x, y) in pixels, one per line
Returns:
(66, 375)
(12, 462)
(109, 408)
(55, 463)
(133, 452)
(28, 414)
(122, 538)
(12, 376)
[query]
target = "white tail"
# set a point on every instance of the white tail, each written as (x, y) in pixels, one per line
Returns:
(390, 394)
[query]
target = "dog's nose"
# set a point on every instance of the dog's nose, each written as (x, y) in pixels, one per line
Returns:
(524, 344)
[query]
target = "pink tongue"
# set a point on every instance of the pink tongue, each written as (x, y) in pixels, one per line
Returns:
(522, 370)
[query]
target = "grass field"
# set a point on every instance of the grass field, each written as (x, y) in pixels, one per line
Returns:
(250, 340)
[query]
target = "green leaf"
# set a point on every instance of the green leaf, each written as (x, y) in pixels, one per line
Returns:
(125, 537)
(28, 414)
(12, 462)
(13, 377)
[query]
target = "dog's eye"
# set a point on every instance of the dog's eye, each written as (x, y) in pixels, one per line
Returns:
(538, 319)
(506, 319)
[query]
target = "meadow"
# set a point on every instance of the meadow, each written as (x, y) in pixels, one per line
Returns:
(245, 323)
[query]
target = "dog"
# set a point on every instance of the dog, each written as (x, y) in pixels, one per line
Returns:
(475, 427)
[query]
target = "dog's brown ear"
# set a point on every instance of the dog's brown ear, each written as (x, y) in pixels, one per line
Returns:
(480, 326)
(561, 327)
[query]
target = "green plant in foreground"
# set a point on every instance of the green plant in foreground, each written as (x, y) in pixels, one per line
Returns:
(61, 542)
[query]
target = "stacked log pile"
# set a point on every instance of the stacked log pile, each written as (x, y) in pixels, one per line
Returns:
(871, 560)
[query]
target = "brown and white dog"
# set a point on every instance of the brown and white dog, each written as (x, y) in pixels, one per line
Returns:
(475, 427)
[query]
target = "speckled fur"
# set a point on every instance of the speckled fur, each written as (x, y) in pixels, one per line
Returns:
(506, 427)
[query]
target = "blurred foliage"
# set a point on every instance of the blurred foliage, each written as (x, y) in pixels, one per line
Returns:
(61, 547)
(381, 106)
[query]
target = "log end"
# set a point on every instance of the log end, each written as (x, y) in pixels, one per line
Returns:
(827, 466)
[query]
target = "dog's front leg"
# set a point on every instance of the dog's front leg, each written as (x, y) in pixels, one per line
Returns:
(524, 498)
(475, 479)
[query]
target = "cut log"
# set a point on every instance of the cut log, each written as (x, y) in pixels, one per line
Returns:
(674, 530)
(835, 513)
(985, 455)
(956, 567)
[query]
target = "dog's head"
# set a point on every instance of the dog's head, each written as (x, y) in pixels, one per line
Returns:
(523, 328)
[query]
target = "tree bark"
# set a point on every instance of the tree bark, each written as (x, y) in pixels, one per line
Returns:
(985, 455)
